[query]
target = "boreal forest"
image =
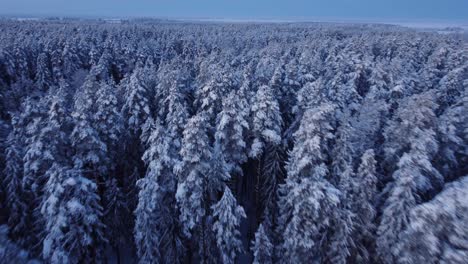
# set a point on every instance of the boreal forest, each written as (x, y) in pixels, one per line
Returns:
(147, 141)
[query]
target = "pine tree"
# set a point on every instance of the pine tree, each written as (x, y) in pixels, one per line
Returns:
(227, 217)
(157, 229)
(437, 229)
(9, 251)
(36, 160)
(210, 96)
(43, 78)
(32, 118)
(261, 247)
(108, 121)
(311, 204)
(177, 112)
(341, 241)
(308, 200)
(15, 203)
(64, 183)
(366, 125)
(343, 153)
(230, 131)
(115, 211)
(310, 95)
(314, 135)
(266, 127)
(451, 86)
(90, 152)
(174, 110)
(136, 108)
(450, 127)
(68, 62)
(266, 121)
(194, 187)
(102, 69)
(218, 172)
(74, 230)
(413, 127)
(395, 216)
(364, 194)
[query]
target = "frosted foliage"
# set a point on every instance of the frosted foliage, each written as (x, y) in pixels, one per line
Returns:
(177, 116)
(310, 95)
(90, 150)
(13, 185)
(192, 174)
(266, 121)
(108, 118)
(155, 231)
(231, 129)
(147, 237)
(395, 216)
(211, 94)
(228, 216)
(261, 247)
(312, 137)
(452, 130)
(312, 205)
(136, 107)
(73, 212)
(437, 231)
(367, 184)
(195, 140)
(11, 252)
(415, 129)
(414, 121)
(156, 141)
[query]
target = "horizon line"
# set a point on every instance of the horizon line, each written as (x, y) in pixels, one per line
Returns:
(439, 22)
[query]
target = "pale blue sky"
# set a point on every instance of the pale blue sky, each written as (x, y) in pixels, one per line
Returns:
(245, 9)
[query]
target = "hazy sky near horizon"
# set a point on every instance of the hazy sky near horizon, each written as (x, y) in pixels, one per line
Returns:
(245, 9)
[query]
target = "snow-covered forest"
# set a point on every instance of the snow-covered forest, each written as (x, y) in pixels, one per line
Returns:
(172, 142)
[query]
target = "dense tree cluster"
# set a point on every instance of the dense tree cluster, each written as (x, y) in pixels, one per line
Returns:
(158, 142)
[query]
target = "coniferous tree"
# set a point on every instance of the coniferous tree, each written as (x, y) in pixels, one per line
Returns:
(364, 192)
(230, 131)
(11, 252)
(136, 108)
(209, 95)
(266, 121)
(90, 153)
(308, 200)
(115, 213)
(413, 128)
(108, 120)
(450, 127)
(36, 160)
(156, 229)
(261, 247)
(227, 217)
(194, 187)
(266, 127)
(381, 179)
(437, 229)
(395, 216)
(16, 205)
(43, 79)
(74, 230)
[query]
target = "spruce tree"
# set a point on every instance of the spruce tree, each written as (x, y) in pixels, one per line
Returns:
(261, 247)
(308, 202)
(227, 216)
(157, 233)
(74, 231)
(231, 130)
